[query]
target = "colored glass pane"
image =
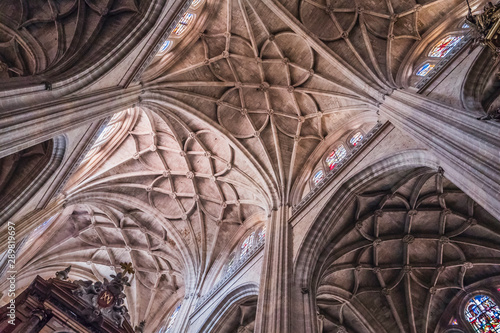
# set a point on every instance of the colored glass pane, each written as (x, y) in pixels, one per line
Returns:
(183, 24)
(336, 156)
(165, 46)
(465, 25)
(246, 245)
(483, 314)
(318, 176)
(196, 3)
(425, 69)
(356, 138)
(262, 234)
(453, 322)
(231, 262)
(172, 319)
(444, 46)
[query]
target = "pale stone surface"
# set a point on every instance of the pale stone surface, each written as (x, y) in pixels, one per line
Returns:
(221, 135)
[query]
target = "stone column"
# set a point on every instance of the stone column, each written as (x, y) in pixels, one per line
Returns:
(39, 317)
(273, 306)
(468, 149)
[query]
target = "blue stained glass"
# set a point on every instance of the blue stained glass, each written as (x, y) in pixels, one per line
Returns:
(318, 176)
(165, 46)
(465, 25)
(483, 314)
(172, 319)
(425, 69)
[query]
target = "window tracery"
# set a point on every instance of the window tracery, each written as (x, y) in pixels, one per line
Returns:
(171, 321)
(247, 244)
(106, 134)
(329, 162)
(254, 239)
(483, 314)
(357, 137)
(444, 46)
(431, 58)
(336, 156)
(318, 176)
(262, 233)
(425, 69)
(185, 24)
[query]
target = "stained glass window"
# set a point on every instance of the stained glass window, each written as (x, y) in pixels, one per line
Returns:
(183, 24)
(114, 124)
(356, 138)
(231, 261)
(483, 314)
(453, 322)
(336, 156)
(165, 46)
(172, 319)
(196, 3)
(262, 233)
(444, 46)
(318, 176)
(465, 25)
(246, 245)
(425, 69)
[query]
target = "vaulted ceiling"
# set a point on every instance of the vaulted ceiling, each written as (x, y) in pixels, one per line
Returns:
(40, 36)
(228, 122)
(410, 243)
(169, 199)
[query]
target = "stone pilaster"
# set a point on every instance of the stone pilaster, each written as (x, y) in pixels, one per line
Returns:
(467, 149)
(273, 307)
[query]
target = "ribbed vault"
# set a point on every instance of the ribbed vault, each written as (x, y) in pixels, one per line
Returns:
(97, 238)
(372, 36)
(264, 84)
(413, 241)
(168, 199)
(38, 36)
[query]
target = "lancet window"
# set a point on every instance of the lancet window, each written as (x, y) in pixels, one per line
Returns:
(330, 161)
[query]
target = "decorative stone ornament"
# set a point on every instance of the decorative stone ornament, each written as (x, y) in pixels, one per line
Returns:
(487, 27)
(106, 298)
(63, 275)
